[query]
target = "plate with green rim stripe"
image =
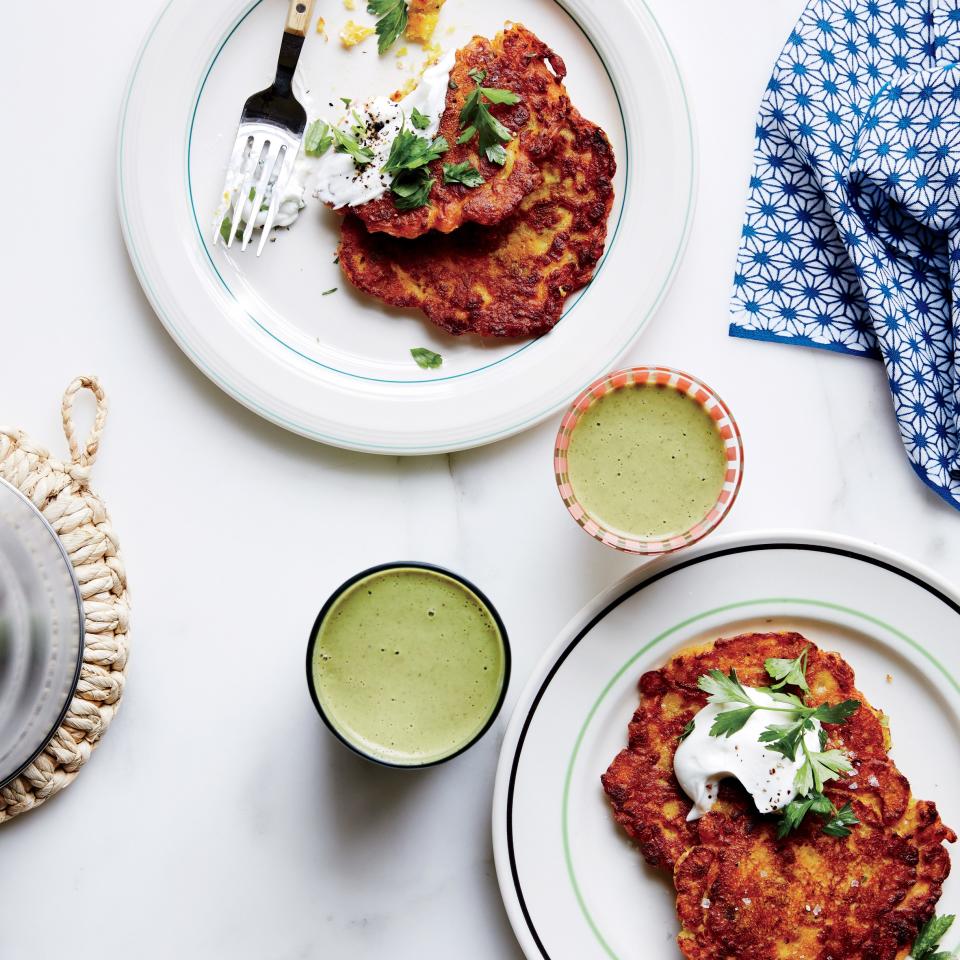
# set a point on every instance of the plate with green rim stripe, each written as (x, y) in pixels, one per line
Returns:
(285, 334)
(573, 885)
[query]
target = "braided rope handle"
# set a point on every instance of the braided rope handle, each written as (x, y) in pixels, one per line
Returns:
(84, 456)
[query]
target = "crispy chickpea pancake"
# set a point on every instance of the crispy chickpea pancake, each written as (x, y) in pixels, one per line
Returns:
(647, 800)
(514, 60)
(505, 281)
(742, 893)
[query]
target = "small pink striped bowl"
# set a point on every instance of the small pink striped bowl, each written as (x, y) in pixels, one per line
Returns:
(655, 376)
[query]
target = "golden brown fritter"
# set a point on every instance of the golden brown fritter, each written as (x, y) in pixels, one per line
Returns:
(741, 892)
(510, 280)
(514, 60)
(646, 797)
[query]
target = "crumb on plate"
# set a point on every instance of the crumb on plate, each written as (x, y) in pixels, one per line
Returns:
(354, 33)
(408, 87)
(423, 16)
(322, 28)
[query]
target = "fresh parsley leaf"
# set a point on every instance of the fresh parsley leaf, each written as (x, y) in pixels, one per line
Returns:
(840, 823)
(788, 671)
(786, 739)
(226, 226)
(426, 359)
(362, 156)
(410, 152)
(408, 163)
(359, 126)
(723, 689)
(781, 697)
(500, 96)
(412, 190)
(346, 101)
(794, 812)
(819, 768)
(822, 805)
(792, 815)
(392, 22)
(465, 173)
(476, 119)
(836, 713)
(420, 121)
(729, 722)
(318, 139)
(928, 940)
(687, 730)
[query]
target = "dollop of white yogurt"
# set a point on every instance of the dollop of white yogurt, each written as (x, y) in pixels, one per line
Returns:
(702, 761)
(338, 181)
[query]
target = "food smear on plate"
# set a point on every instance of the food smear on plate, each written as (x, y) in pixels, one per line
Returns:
(647, 461)
(851, 867)
(408, 666)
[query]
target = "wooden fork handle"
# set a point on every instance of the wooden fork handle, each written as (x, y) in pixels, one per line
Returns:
(298, 17)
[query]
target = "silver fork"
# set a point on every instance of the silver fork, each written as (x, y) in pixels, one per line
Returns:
(268, 141)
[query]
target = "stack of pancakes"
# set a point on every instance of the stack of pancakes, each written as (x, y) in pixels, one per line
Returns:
(741, 892)
(500, 259)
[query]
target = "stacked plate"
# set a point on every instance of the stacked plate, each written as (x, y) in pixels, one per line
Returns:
(41, 632)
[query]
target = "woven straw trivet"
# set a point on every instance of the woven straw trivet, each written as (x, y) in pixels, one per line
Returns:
(61, 492)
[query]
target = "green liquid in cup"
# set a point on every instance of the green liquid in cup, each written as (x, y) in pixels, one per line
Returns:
(408, 666)
(647, 462)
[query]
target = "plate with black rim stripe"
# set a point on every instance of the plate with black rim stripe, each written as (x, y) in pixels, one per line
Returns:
(574, 886)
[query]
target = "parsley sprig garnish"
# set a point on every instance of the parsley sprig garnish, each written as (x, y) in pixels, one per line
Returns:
(345, 143)
(465, 173)
(476, 120)
(391, 23)
(426, 359)
(408, 164)
(928, 940)
(788, 671)
(789, 738)
(318, 139)
(419, 120)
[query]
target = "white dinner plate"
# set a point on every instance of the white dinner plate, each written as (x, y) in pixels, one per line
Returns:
(337, 368)
(574, 886)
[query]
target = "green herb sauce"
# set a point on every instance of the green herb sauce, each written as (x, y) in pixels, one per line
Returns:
(647, 462)
(408, 665)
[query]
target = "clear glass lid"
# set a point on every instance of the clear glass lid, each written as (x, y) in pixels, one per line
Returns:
(41, 632)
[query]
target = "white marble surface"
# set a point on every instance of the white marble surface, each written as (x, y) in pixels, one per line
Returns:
(219, 819)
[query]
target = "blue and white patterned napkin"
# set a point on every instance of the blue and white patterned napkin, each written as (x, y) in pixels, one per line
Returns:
(852, 233)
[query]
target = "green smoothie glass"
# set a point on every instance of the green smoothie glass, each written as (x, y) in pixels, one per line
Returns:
(408, 664)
